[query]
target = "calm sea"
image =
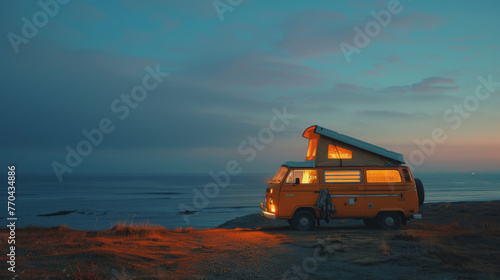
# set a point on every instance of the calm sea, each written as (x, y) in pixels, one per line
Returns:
(99, 202)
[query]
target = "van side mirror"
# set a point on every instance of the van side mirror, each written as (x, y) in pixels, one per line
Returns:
(297, 181)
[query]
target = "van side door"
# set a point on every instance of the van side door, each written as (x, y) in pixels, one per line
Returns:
(347, 191)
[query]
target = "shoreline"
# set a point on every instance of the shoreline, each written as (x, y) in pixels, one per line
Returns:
(454, 239)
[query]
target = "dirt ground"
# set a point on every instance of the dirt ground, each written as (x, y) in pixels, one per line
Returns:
(452, 241)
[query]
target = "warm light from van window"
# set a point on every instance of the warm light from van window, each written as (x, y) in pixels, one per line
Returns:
(335, 152)
(342, 176)
(383, 176)
(306, 176)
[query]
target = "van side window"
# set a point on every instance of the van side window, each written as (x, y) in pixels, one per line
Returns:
(407, 175)
(306, 176)
(383, 176)
(342, 176)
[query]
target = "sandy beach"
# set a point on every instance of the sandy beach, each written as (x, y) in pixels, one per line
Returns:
(452, 241)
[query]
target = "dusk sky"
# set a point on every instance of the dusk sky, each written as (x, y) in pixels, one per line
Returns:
(231, 66)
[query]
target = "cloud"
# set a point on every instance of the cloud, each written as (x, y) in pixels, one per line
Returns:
(461, 48)
(346, 86)
(415, 21)
(371, 73)
(453, 73)
(429, 85)
(387, 114)
(138, 37)
(432, 57)
(251, 70)
(166, 21)
(318, 32)
(85, 12)
(314, 32)
(368, 4)
(197, 8)
(392, 58)
(434, 85)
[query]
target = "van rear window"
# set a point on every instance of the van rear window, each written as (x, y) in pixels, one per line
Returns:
(407, 175)
(342, 176)
(383, 176)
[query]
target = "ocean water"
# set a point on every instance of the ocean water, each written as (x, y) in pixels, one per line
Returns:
(101, 201)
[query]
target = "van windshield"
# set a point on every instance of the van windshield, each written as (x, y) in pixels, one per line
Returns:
(279, 175)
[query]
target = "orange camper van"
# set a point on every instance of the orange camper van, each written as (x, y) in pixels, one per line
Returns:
(363, 181)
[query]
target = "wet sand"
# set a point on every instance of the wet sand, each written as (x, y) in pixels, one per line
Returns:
(452, 241)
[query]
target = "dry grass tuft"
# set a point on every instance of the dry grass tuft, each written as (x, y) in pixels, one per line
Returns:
(491, 228)
(144, 229)
(86, 272)
(386, 250)
(185, 230)
(447, 253)
(405, 237)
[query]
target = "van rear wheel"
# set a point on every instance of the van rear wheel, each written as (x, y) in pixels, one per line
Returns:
(389, 220)
(303, 220)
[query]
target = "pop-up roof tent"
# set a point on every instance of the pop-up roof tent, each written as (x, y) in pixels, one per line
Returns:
(329, 148)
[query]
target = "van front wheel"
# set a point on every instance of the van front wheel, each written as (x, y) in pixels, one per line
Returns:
(389, 220)
(303, 220)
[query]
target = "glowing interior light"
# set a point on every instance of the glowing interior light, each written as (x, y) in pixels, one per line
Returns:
(311, 148)
(383, 176)
(335, 152)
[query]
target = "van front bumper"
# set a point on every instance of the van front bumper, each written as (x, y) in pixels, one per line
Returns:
(266, 214)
